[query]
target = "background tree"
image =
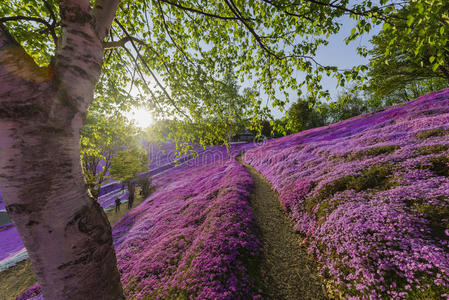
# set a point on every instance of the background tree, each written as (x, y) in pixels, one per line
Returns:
(349, 104)
(408, 58)
(303, 115)
(126, 164)
(101, 138)
(55, 55)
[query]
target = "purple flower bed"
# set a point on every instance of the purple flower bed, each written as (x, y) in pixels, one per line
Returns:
(194, 238)
(11, 243)
(162, 158)
(33, 293)
(109, 187)
(370, 195)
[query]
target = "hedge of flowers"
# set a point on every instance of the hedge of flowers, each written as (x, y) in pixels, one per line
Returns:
(194, 238)
(370, 195)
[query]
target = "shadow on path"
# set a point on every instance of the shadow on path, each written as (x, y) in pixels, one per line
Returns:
(286, 270)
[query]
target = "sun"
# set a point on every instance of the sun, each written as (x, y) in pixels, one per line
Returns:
(142, 117)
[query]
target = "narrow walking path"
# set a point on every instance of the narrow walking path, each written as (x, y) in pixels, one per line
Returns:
(286, 270)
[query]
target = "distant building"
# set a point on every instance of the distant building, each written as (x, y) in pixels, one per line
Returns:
(243, 137)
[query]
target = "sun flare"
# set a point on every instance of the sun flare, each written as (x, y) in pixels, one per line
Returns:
(141, 116)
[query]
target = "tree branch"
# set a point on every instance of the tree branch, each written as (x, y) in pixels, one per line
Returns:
(137, 67)
(168, 32)
(34, 19)
(198, 11)
(277, 6)
(256, 36)
(150, 71)
(120, 43)
(104, 13)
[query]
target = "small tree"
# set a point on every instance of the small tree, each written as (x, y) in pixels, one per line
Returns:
(101, 137)
(126, 164)
(303, 115)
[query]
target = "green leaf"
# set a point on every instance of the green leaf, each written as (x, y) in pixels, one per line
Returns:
(410, 20)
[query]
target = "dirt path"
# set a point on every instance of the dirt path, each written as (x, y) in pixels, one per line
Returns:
(18, 278)
(286, 270)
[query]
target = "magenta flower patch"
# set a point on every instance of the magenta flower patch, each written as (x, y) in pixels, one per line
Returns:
(371, 196)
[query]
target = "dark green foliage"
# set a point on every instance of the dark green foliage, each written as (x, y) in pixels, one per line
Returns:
(406, 62)
(126, 164)
(441, 131)
(376, 177)
(425, 150)
(437, 215)
(302, 116)
(439, 165)
(432, 291)
(349, 104)
(371, 152)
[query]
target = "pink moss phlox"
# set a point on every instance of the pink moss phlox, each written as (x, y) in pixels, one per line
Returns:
(377, 237)
(194, 237)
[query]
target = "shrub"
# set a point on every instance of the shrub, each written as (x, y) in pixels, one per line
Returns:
(376, 177)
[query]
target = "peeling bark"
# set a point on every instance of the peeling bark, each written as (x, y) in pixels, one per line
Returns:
(42, 110)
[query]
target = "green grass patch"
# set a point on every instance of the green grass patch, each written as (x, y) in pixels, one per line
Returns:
(439, 165)
(425, 134)
(433, 291)
(376, 177)
(426, 150)
(371, 152)
(438, 217)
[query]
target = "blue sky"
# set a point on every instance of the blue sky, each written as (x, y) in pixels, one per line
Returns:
(339, 54)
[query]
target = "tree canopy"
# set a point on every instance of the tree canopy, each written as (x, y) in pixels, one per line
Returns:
(410, 54)
(126, 164)
(303, 115)
(164, 52)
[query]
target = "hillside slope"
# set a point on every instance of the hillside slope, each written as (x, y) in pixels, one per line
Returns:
(371, 197)
(193, 238)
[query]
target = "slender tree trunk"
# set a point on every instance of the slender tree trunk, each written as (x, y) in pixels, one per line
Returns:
(42, 110)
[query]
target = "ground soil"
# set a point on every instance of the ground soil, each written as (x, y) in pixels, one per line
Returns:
(286, 271)
(20, 277)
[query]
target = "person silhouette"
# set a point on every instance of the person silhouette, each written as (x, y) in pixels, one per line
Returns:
(117, 204)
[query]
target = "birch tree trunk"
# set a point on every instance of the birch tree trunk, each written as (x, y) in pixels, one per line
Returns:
(42, 110)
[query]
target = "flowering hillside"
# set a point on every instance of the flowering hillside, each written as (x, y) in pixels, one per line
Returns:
(193, 238)
(370, 195)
